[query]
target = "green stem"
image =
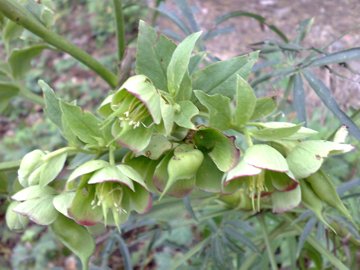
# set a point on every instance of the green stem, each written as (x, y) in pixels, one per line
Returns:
(19, 14)
(31, 96)
(111, 155)
(120, 29)
(248, 138)
(267, 242)
(10, 165)
(59, 152)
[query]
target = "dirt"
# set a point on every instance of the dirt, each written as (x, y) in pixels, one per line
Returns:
(336, 22)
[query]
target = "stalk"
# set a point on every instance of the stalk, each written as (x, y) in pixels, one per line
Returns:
(120, 29)
(17, 13)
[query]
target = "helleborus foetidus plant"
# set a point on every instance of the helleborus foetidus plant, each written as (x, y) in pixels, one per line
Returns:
(173, 127)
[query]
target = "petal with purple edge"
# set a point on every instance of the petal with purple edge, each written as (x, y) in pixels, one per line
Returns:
(111, 174)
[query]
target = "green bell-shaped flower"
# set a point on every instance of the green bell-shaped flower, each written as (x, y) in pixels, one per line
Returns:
(107, 193)
(133, 110)
(264, 171)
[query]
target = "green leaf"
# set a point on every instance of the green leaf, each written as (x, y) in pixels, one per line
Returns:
(74, 237)
(83, 124)
(51, 169)
(269, 133)
(264, 107)
(337, 57)
(220, 77)
(168, 115)
(153, 55)
(7, 91)
(245, 102)
(325, 95)
(308, 156)
(299, 98)
(179, 63)
(265, 157)
(11, 31)
(39, 210)
(220, 148)
(184, 116)
(285, 200)
(52, 103)
(20, 59)
(218, 107)
(303, 30)
(231, 233)
(260, 19)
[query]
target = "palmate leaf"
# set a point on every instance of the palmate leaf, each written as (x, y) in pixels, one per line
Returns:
(218, 107)
(325, 95)
(179, 63)
(153, 55)
(220, 77)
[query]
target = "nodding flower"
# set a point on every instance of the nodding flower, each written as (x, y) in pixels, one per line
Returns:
(263, 170)
(113, 191)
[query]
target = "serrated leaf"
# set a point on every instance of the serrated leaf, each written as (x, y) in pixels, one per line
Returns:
(153, 55)
(325, 95)
(245, 102)
(52, 103)
(74, 237)
(220, 77)
(264, 106)
(179, 63)
(83, 124)
(187, 111)
(218, 107)
(20, 59)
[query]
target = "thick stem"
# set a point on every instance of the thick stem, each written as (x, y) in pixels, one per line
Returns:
(267, 243)
(120, 28)
(32, 97)
(17, 13)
